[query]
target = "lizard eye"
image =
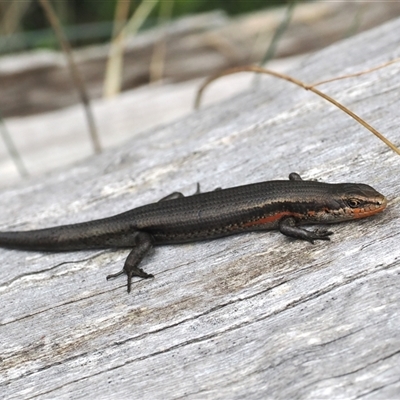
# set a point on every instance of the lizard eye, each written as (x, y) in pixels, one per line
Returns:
(353, 203)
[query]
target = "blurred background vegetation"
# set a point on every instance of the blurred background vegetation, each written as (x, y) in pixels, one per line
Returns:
(40, 88)
(91, 21)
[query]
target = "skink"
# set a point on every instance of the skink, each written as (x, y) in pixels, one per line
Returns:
(281, 205)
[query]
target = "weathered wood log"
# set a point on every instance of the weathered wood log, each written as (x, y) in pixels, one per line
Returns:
(252, 316)
(195, 47)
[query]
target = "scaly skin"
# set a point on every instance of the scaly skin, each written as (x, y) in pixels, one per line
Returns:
(281, 205)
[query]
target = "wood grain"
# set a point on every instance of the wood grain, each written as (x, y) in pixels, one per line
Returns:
(252, 316)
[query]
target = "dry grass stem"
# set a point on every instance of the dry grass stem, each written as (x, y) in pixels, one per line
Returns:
(77, 79)
(12, 150)
(160, 48)
(281, 29)
(13, 15)
(254, 68)
(112, 82)
(367, 71)
(113, 76)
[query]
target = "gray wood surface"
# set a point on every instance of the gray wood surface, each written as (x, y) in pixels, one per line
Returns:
(256, 316)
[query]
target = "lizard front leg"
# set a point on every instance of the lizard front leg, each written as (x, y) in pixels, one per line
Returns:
(143, 244)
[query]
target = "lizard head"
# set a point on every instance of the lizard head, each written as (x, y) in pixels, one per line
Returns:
(359, 200)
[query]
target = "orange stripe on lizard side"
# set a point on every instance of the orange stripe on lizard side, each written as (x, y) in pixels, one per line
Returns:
(271, 218)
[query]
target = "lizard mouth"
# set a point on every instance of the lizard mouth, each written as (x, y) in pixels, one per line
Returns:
(370, 209)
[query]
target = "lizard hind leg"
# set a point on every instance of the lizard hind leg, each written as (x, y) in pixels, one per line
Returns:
(178, 195)
(143, 244)
(294, 176)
